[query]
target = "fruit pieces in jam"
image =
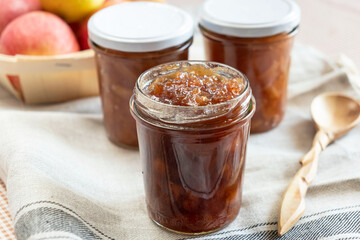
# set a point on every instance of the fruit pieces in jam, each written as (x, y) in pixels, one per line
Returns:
(194, 85)
(118, 72)
(193, 180)
(266, 62)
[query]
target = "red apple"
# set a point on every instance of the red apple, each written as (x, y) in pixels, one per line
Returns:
(10, 9)
(38, 33)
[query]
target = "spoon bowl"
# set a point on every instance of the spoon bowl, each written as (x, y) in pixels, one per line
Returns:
(335, 113)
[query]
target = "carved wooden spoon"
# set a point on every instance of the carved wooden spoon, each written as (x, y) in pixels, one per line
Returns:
(334, 115)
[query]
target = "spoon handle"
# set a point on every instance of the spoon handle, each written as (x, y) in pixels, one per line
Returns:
(293, 202)
(321, 140)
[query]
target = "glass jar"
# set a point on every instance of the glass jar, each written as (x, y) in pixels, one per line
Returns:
(255, 37)
(193, 156)
(124, 50)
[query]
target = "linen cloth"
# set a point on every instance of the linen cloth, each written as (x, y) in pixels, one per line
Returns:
(65, 180)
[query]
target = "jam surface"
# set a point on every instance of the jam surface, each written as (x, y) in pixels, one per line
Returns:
(194, 85)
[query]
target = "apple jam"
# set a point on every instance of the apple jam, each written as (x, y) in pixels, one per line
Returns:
(117, 72)
(266, 63)
(127, 44)
(255, 37)
(193, 122)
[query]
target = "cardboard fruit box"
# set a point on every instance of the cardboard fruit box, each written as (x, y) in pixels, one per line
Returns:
(49, 79)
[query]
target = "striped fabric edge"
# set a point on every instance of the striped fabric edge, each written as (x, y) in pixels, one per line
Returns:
(6, 222)
(52, 220)
(340, 223)
(58, 221)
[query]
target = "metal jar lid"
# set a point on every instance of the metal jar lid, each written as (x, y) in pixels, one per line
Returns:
(250, 18)
(140, 27)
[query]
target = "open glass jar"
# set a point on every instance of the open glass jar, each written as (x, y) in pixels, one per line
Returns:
(255, 37)
(129, 38)
(193, 156)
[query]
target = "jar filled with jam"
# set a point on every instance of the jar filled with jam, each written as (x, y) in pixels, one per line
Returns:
(255, 37)
(193, 121)
(129, 38)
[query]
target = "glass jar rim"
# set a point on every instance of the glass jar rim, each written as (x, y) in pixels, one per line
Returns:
(167, 51)
(174, 114)
(193, 62)
(253, 40)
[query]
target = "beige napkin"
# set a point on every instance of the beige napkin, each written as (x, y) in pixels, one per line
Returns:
(65, 180)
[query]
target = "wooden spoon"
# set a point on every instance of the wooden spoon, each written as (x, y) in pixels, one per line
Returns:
(334, 115)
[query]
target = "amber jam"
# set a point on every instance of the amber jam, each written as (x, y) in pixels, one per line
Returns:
(195, 85)
(117, 73)
(255, 37)
(193, 143)
(266, 63)
(127, 40)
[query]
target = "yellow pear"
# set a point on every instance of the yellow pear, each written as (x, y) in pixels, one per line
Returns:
(71, 10)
